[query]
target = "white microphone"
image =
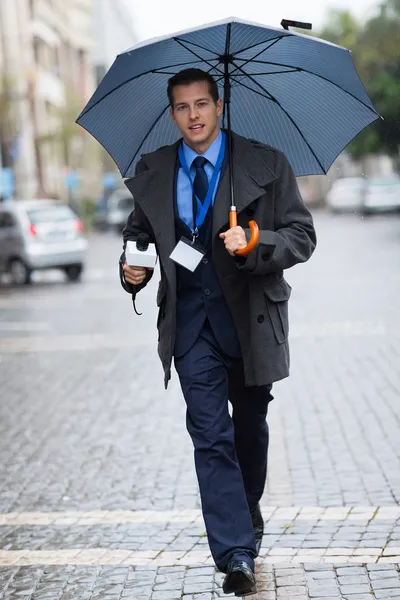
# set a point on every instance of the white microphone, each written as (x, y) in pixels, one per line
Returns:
(141, 253)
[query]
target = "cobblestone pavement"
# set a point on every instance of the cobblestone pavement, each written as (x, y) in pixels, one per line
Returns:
(98, 497)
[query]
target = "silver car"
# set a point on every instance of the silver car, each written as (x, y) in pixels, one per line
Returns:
(346, 194)
(119, 207)
(382, 194)
(40, 234)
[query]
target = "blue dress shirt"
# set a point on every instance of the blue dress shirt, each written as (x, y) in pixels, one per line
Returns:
(184, 189)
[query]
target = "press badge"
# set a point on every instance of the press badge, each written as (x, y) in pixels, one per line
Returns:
(187, 254)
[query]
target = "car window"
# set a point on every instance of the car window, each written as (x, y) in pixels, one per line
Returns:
(124, 203)
(385, 181)
(6, 220)
(50, 214)
(349, 183)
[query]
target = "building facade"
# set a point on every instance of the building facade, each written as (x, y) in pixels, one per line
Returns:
(47, 69)
(113, 33)
(16, 126)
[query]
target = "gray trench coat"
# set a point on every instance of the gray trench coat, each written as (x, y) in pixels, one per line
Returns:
(255, 289)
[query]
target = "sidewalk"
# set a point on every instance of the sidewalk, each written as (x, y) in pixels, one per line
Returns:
(98, 496)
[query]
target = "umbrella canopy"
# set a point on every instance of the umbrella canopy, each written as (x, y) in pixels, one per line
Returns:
(297, 93)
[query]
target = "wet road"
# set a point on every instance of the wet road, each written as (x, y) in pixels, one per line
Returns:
(96, 466)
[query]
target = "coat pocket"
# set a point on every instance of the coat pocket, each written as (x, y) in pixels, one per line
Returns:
(277, 296)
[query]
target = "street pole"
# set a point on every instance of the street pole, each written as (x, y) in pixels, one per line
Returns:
(38, 158)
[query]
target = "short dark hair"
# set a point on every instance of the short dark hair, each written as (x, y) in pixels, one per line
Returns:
(188, 76)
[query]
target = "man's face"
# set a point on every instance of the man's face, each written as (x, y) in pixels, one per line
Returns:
(196, 114)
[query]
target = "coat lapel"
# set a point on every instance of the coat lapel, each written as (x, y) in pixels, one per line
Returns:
(250, 174)
(154, 191)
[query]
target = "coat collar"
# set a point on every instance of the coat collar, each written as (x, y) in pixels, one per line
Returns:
(211, 154)
(153, 189)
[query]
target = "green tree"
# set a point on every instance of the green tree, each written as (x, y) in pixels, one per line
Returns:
(393, 6)
(64, 136)
(375, 51)
(342, 29)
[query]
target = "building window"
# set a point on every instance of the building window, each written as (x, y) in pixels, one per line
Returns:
(36, 50)
(81, 72)
(56, 62)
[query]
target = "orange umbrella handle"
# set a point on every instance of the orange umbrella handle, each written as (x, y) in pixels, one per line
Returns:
(255, 234)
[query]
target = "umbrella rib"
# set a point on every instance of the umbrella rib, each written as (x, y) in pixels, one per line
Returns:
(261, 51)
(269, 73)
(274, 41)
(159, 72)
(299, 69)
(197, 45)
(145, 137)
(85, 111)
(255, 92)
(288, 116)
(194, 53)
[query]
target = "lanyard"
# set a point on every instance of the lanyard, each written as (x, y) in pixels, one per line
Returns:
(202, 208)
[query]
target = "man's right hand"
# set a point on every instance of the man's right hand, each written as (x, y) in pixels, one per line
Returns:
(134, 275)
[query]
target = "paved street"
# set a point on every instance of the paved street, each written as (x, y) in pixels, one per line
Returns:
(98, 496)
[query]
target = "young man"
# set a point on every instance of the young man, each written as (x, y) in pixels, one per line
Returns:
(225, 323)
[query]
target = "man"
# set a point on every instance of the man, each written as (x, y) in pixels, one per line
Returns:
(225, 323)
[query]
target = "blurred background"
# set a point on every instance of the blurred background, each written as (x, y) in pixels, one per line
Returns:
(53, 54)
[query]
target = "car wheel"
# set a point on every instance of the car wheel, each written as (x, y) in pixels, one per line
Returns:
(20, 273)
(74, 272)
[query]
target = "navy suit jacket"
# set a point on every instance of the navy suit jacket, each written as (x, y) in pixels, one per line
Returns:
(199, 294)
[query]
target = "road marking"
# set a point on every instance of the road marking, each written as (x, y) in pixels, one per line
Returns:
(155, 558)
(281, 519)
(24, 326)
(70, 343)
(65, 343)
(346, 514)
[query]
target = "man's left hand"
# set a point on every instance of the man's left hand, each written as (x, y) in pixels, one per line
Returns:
(234, 239)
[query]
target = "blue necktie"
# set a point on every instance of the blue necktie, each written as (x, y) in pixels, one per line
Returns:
(200, 183)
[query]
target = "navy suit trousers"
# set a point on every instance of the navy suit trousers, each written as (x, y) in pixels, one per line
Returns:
(230, 452)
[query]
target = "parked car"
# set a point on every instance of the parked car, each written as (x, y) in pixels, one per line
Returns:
(346, 194)
(112, 210)
(100, 215)
(119, 207)
(382, 194)
(40, 234)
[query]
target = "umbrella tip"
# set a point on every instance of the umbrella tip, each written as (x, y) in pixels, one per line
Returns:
(286, 23)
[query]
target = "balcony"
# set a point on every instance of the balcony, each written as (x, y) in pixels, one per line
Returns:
(41, 30)
(50, 88)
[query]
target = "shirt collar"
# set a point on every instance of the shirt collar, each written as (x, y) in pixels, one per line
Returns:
(211, 154)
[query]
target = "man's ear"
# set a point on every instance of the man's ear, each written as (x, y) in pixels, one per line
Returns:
(219, 107)
(171, 112)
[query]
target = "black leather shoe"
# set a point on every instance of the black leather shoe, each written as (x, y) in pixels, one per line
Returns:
(258, 526)
(240, 579)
